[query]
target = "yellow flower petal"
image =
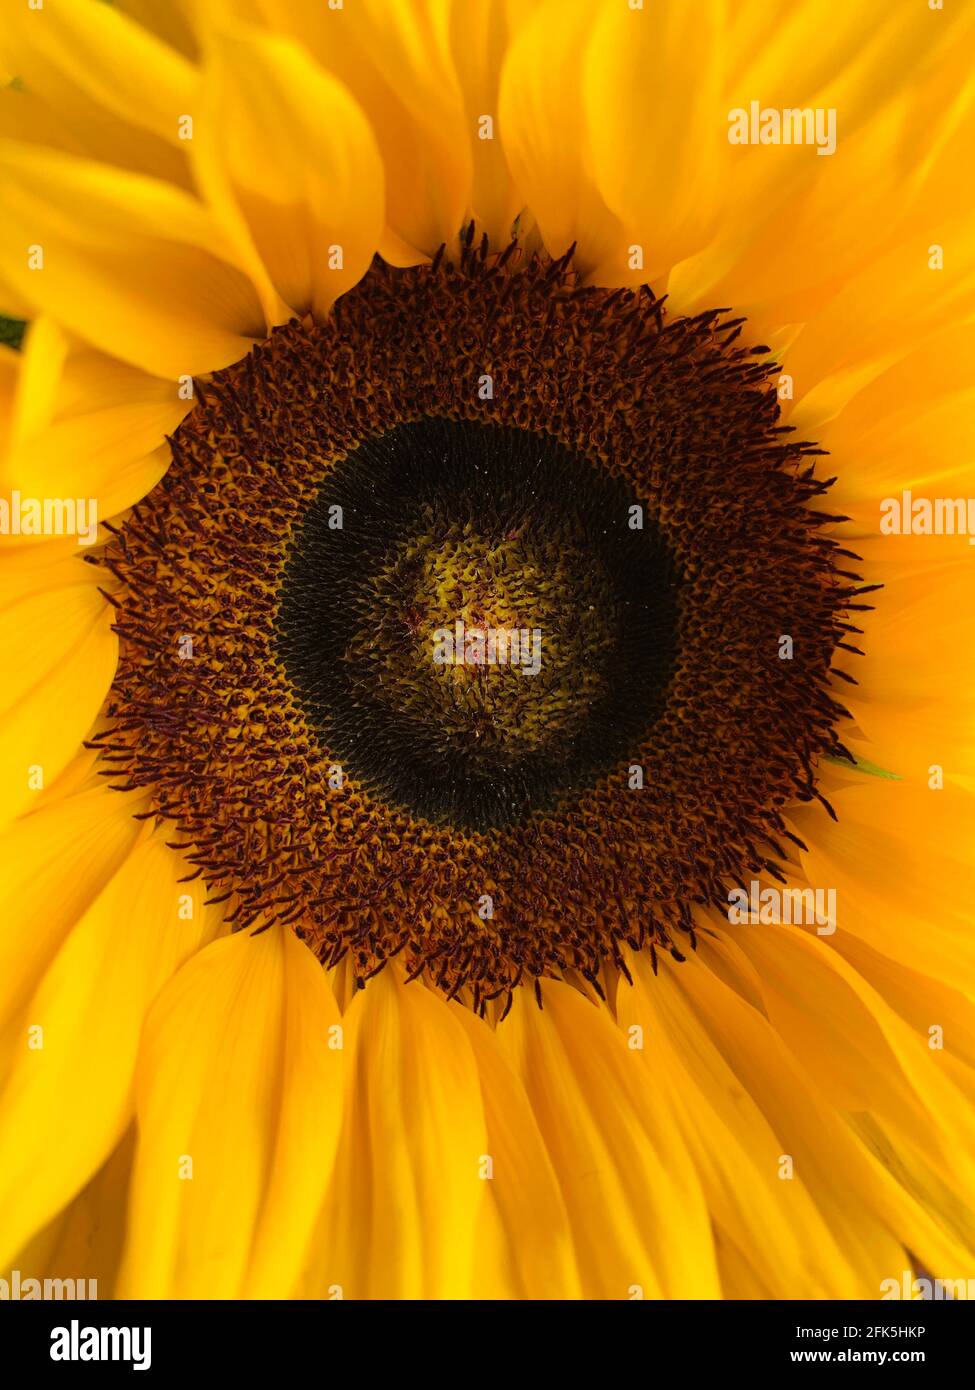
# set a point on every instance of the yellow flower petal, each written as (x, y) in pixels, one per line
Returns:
(480, 36)
(24, 116)
(792, 226)
(658, 141)
(906, 425)
(56, 629)
(84, 1242)
(638, 1215)
(911, 707)
(730, 1141)
(824, 202)
(87, 45)
(91, 81)
(532, 1222)
(175, 22)
(869, 1062)
(87, 425)
(68, 1102)
(545, 134)
(850, 1043)
(396, 62)
(892, 304)
(289, 161)
(920, 1001)
(403, 1209)
(39, 366)
(900, 870)
(239, 1104)
(853, 58)
(9, 372)
(871, 1215)
(130, 264)
(59, 858)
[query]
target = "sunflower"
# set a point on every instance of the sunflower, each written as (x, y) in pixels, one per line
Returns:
(332, 969)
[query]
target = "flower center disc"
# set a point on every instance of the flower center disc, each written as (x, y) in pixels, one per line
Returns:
(472, 623)
(465, 450)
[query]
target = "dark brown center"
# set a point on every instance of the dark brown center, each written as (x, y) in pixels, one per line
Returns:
(478, 449)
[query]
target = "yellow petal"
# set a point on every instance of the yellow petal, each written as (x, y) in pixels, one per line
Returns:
(402, 1213)
(639, 1220)
(24, 116)
(396, 62)
(73, 1095)
(175, 22)
(731, 1143)
(13, 305)
(90, 80)
(867, 1061)
(40, 364)
(906, 425)
(9, 372)
(54, 862)
(893, 303)
(239, 1104)
(56, 628)
(545, 133)
(871, 1214)
(130, 264)
(91, 46)
(824, 202)
(480, 36)
(900, 869)
(289, 161)
(793, 226)
(920, 1001)
(913, 710)
(87, 425)
(860, 1056)
(81, 1249)
(658, 139)
(855, 58)
(532, 1224)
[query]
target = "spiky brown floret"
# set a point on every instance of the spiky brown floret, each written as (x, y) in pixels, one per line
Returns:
(679, 412)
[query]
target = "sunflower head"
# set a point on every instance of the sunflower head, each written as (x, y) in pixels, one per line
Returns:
(494, 453)
(355, 518)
